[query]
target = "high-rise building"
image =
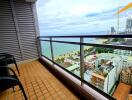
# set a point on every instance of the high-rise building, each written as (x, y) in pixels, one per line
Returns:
(113, 31)
(129, 26)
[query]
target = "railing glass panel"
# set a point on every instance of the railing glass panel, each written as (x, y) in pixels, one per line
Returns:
(103, 67)
(96, 61)
(115, 41)
(68, 56)
(45, 49)
(67, 39)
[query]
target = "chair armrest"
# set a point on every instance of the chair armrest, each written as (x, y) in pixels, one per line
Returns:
(5, 67)
(5, 54)
(3, 59)
(9, 78)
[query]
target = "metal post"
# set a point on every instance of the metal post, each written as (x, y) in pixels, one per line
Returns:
(51, 48)
(108, 84)
(81, 60)
(39, 47)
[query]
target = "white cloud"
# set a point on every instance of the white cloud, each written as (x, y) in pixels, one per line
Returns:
(68, 16)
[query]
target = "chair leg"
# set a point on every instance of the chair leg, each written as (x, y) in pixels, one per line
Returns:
(21, 87)
(13, 88)
(16, 66)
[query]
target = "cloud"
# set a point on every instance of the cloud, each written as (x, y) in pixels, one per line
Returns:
(74, 16)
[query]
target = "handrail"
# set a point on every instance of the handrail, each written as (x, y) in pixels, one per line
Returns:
(123, 47)
(90, 36)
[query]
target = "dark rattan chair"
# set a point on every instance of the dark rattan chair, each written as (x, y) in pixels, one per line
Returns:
(8, 80)
(9, 59)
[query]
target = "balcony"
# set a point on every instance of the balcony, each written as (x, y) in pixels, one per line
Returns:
(39, 84)
(81, 66)
(95, 69)
(88, 67)
(98, 61)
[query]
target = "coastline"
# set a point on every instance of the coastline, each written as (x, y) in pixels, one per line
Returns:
(66, 55)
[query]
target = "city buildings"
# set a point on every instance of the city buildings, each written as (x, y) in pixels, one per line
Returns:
(129, 25)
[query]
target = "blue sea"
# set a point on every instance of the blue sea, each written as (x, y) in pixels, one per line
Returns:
(63, 48)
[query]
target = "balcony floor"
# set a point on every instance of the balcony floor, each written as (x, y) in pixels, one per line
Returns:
(39, 84)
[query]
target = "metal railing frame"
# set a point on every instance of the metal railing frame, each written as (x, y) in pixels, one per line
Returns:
(81, 43)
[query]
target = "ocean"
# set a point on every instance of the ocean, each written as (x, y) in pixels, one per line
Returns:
(63, 48)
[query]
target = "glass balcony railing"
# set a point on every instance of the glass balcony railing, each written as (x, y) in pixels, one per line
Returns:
(46, 51)
(98, 60)
(68, 56)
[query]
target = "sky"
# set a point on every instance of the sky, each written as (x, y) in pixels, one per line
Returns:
(79, 17)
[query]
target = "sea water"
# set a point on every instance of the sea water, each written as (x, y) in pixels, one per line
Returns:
(63, 48)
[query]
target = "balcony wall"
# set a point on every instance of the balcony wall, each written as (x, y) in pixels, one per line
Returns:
(18, 31)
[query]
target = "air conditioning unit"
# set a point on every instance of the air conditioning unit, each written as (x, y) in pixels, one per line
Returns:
(31, 1)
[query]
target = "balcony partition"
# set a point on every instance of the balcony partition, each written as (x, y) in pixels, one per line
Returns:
(18, 29)
(96, 60)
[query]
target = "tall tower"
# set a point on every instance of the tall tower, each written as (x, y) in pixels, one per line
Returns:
(129, 26)
(113, 31)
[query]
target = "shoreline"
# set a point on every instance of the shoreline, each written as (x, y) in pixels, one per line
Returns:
(66, 55)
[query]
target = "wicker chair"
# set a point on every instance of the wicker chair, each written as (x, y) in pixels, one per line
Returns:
(9, 59)
(7, 80)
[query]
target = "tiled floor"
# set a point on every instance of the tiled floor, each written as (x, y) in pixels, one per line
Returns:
(39, 84)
